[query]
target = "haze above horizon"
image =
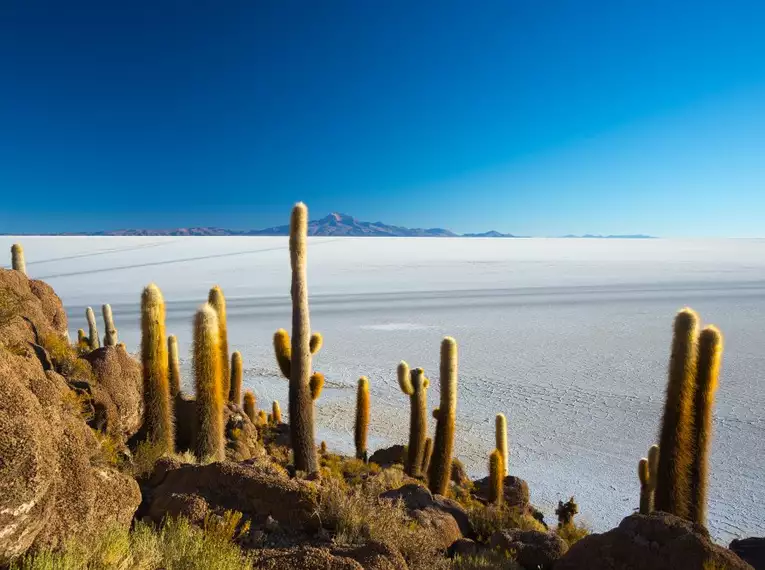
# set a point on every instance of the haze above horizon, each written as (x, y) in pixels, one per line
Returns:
(530, 119)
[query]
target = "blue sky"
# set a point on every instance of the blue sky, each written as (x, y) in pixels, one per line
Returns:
(537, 118)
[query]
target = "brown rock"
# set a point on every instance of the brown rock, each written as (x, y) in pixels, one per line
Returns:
(532, 549)
(416, 498)
(463, 548)
(651, 542)
(441, 525)
(389, 456)
(304, 558)
(516, 491)
(752, 550)
(28, 307)
(51, 305)
(374, 556)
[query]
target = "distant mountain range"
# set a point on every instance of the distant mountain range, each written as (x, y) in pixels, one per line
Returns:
(332, 225)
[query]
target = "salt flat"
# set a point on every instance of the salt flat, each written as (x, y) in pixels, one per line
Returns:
(568, 337)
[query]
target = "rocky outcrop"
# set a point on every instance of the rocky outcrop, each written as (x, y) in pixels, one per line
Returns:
(389, 456)
(370, 556)
(651, 542)
(29, 310)
(752, 550)
(516, 492)
(532, 549)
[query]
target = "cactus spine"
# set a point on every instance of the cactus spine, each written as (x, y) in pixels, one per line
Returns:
(235, 393)
(414, 384)
(496, 477)
(300, 399)
(92, 329)
(174, 377)
(208, 378)
(500, 428)
(249, 406)
(441, 463)
(276, 413)
(218, 302)
(426, 455)
(17, 258)
(110, 331)
(158, 416)
(707, 372)
(676, 439)
(362, 418)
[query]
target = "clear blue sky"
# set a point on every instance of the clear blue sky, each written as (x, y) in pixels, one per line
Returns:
(541, 118)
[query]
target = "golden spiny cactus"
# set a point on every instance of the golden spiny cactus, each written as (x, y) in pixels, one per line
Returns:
(443, 445)
(317, 385)
(500, 435)
(249, 406)
(235, 395)
(404, 378)
(707, 373)
(95, 342)
(276, 413)
(418, 417)
(316, 342)
(218, 302)
(17, 258)
(263, 418)
(158, 413)
(283, 352)
(362, 418)
(676, 440)
(496, 478)
(208, 377)
(426, 455)
(110, 331)
(83, 342)
(646, 494)
(174, 372)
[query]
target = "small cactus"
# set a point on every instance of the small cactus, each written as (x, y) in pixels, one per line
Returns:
(110, 331)
(17, 258)
(83, 342)
(426, 455)
(235, 394)
(566, 512)
(316, 342)
(158, 412)
(500, 429)
(362, 418)
(317, 384)
(263, 418)
(218, 302)
(415, 386)
(276, 413)
(443, 445)
(676, 438)
(249, 406)
(207, 378)
(95, 342)
(709, 357)
(174, 366)
(496, 477)
(647, 468)
(323, 448)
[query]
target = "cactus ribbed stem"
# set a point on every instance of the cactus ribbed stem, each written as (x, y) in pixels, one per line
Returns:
(500, 435)
(443, 445)
(174, 372)
(218, 302)
(235, 394)
(208, 378)
(361, 426)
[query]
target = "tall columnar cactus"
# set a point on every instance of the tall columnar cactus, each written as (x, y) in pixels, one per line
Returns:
(496, 477)
(415, 385)
(276, 413)
(235, 393)
(426, 455)
(95, 342)
(158, 415)
(707, 372)
(249, 406)
(110, 331)
(218, 302)
(362, 418)
(17, 258)
(441, 463)
(500, 434)
(676, 440)
(174, 372)
(208, 372)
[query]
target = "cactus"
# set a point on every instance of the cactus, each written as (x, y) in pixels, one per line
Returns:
(317, 384)
(249, 406)
(566, 512)
(235, 393)
(323, 448)
(283, 350)
(208, 378)
(218, 302)
(174, 377)
(110, 331)
(427, 453)
(676, 439)
(17, 258)
(276, 413)
(158, 413)
(496, 477)
(263, 418)
(647, 468)
(500, 429)
(92, 329)
(709, 357)
(83, 342)
(414, 384)
(441, 463)
(362, 418)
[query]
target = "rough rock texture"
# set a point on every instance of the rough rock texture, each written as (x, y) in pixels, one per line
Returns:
(257, 489)
(459, 474)
(752, 550)
(463, 547)
(651, 542)
(533, 549)
(53, 481)
(417, 498)
(374, 556)
(516, 491)
(118, 375)
(389, 456)
(303, 557)
(26, 305)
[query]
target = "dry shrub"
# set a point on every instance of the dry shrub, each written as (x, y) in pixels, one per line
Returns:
(486, 561)
(65, 358)
(572, 532)
(487, 519)
(226, 527)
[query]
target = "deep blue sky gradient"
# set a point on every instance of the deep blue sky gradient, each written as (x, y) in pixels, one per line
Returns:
(540, 118)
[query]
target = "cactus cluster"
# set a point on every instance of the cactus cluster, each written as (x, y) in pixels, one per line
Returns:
(681, 478)
(647, 468)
